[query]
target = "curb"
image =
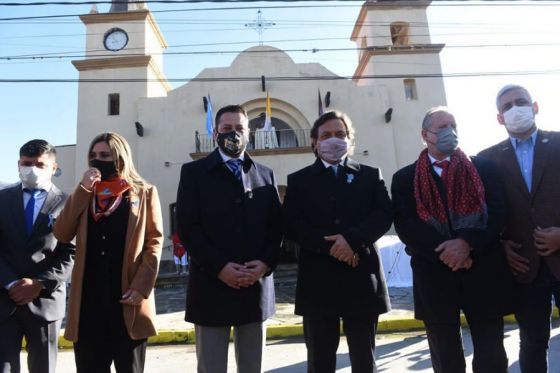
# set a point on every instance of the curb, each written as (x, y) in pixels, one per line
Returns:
(386, 325)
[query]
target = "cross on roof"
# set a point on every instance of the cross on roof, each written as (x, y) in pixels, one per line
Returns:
(260, 25)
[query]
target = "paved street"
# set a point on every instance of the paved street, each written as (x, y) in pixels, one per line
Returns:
(403, 352)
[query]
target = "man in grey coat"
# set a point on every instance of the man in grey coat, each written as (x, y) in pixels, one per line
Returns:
(33, 266)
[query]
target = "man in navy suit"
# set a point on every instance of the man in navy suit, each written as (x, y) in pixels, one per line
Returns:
(229, 217)
(33, 266)
(335, 210)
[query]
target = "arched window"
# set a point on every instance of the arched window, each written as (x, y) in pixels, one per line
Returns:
(399, 33)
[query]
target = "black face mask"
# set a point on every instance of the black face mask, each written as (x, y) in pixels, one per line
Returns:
(232, 143)
(107, 168)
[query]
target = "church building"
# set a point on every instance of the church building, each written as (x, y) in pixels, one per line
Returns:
(123, 88)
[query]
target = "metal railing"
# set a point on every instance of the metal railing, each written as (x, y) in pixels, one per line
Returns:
(260, 140)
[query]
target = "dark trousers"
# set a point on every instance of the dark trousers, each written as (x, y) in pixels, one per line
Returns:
(41, 337)
(533, 317)
(322, 336)
(104, 340)
(446, 346)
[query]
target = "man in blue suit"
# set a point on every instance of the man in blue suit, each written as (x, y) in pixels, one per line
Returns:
(229, 217)
(33, 266)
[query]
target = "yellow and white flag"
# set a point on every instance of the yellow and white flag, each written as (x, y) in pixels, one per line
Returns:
(268, 119)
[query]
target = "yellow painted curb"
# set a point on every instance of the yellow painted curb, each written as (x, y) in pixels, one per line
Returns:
(386, 325)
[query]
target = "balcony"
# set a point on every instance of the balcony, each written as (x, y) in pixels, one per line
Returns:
(289, 141)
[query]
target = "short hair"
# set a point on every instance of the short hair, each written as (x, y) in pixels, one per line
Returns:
(229, 109)
(335, 114)
(36, 148)
(427, 121)
(509, 88)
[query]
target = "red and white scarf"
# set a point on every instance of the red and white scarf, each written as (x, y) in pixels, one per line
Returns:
(466, 202)
(107, 196)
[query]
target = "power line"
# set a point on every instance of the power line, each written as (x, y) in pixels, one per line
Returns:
(409, 3)
(267, 51)
(289, 78)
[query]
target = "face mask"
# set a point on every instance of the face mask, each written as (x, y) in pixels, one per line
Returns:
(333, 149)
(519, 119)
(35, 178)
(107, 168)
(447, 141)
(232, 143)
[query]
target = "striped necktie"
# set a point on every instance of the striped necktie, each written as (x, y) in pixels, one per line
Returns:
(235, 165)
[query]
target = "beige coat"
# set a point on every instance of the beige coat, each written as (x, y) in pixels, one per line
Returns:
(144, 238)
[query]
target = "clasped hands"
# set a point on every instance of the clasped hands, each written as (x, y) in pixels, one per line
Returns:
(547, 242)
(244, 275)
(25, 291)
(455, 254)
(342, 251)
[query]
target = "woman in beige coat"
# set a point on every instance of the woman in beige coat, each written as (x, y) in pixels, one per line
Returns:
(116, 219)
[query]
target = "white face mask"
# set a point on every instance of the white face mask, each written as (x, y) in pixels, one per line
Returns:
(333, 149)
(35, 177)
(519, 119)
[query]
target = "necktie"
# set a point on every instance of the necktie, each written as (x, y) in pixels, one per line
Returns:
(334, 169)
(235, 166)
(444, 165)
(30, 209)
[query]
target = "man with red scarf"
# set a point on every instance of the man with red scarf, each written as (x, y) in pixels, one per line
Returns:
(449, 211)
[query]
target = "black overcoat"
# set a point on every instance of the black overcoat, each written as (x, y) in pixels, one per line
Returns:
(220, 220)
(355, 203)
(486, 290)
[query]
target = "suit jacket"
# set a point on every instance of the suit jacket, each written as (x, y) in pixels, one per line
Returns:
(219, 221)
(485, 290)
(355, 204)
(38, 256)
(142, 251)
(540, 206)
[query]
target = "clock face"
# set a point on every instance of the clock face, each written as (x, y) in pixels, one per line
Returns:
(115, 39)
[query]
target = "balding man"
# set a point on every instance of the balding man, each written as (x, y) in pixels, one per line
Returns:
(529, 163)
(449, 211)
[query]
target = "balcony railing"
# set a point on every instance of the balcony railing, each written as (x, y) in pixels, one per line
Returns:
(262, 140)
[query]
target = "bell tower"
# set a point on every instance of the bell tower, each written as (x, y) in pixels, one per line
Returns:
(395, 53)
(123, 63)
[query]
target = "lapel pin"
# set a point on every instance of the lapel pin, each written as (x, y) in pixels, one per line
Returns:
(52, 219)
(506, 148)
(544, 141)
(349, 178)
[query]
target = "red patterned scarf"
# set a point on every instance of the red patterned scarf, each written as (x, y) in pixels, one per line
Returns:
(465, 195)
(107, 195)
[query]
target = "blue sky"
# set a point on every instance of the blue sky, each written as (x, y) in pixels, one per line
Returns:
(524, 38)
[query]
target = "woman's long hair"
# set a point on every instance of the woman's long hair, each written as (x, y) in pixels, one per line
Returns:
(123, 158)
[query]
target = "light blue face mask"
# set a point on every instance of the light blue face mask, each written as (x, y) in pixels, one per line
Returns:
(447, 140)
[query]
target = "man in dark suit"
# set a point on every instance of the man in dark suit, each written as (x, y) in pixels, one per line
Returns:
(229, 218)
(529, 163)
(449, 211)
(33, 266)
(335, 210)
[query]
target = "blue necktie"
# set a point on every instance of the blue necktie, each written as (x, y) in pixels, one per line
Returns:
(235, 166)
(30, 208)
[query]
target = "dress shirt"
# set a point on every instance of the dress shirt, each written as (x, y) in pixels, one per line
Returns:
(334, 166)
(436, 168)
(524, 150)
(39, 200)
(241, 157)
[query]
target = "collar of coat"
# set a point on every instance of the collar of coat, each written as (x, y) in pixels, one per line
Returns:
(215, 159)
(350, 163)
